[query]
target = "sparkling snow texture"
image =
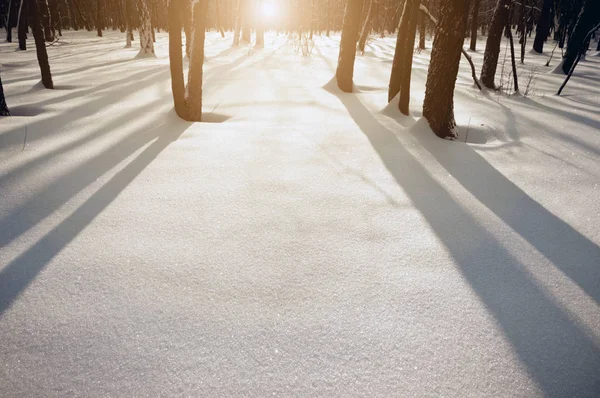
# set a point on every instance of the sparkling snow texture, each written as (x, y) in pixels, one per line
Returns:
(305, 243)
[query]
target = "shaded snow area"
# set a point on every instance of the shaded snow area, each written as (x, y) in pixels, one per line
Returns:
(304, 243)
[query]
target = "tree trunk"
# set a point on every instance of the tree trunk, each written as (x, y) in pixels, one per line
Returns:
(40, 45)
(345, 67)
(176, 59)
(400, 52)
(129, 23)
(512, 55)
(55, 24)
(238, 24)
(22, 26)
(589, 15)
(404, 100)
(146, 44)
(44, 12)
(8, 24)
(3, 107)
(474, 25)
(438, 105)
(492, 46)
(423, 21)
(99, 17)
(195, 75)
(219, 23)
(543, 27)
(523, 38)
(366, 28)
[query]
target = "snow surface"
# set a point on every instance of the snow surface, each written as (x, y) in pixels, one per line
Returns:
(305, 243)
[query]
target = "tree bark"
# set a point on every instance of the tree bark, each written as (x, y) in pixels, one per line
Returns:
(404, 100)
(492, 46)
(40, 45)
(400, 52)
(423, 21)
(3, 107)
(543, 27)
(99, 17)
(128, 23)
(345, 67)
(588, 17)
(195, 75)
(366, 28)
(146, 44)
(438, 105)
(176, 58)
(474, 25)
(8, 24)
(22, 25)
(44, 12)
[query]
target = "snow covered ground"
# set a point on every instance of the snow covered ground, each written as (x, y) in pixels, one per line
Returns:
(305, 243)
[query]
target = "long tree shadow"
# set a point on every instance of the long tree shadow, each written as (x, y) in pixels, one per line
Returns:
(556, 351)
(19, 273)
(571, 252)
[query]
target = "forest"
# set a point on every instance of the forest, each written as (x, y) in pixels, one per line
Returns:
(300, 198)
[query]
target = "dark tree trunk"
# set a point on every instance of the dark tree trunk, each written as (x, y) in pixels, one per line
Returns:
(423, 21)
(54, 18)
(3, 107)
(438, 105)
(588, 17)
(400, 51)
(405, 74)
(195, 75)
(492, 46)
(366, 28)
(512, 55)
(22, 28)
(474, 25)
(99, 17)
(543, 27)
(523, 38)
(345, 67)
(44, 12)
(40, 45)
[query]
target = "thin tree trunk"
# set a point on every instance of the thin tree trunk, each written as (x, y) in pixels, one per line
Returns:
(345, 67)
(219, 24)
(40, 45)
(492, 47)
(8, 25)
(54, 18)
(423, 21)
(238, 24)
(99, 17)
(3, 107)
(588, 16)
(366, 28)
(22, 26)
(146, 44)
(400, 52)
(438, 105)
(195, 75)
(44, 12)
(128, 23)
(176, 59)
(512, 55)
(523, 38)
(474, 25)
(404, 100)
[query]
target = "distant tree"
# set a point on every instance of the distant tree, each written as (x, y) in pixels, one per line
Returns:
(474, 25)
(8, 22)
(44, 13)
(3, 107)
(492, 46)
(238, 23)
(22, 25)
(99, 17)
(423, 21)
(438, 105)
(345, 67)
(588, 17)
(40, 45)
(543, 26)
(187, 100)
(128, 23)
(146, 43)
(366, 27)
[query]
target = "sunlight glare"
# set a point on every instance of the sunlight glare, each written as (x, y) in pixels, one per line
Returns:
(268, 9)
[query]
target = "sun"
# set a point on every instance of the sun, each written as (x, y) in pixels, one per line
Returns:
(268, 10)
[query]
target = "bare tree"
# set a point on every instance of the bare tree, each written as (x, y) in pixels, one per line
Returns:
(345, 67)
(438, 105)
(40, 45)
(492, 46)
